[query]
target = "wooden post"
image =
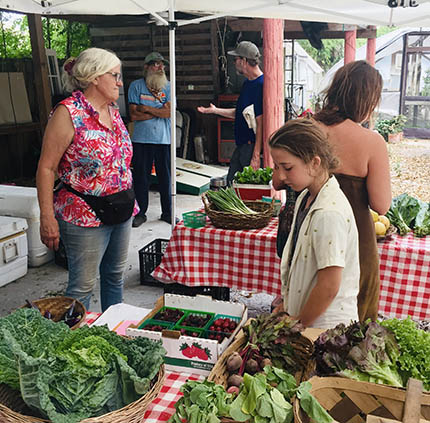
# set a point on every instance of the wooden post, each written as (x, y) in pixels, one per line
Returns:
(40, 63)
(349, 52)
(371, 49)
(273, 92)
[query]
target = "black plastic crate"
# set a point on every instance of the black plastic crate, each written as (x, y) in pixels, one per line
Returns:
(216, 292)
(149, 258)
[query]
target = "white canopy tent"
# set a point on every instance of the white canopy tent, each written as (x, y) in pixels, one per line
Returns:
(356, 12)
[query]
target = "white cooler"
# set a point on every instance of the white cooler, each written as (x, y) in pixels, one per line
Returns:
(13, 249)
(22, 202)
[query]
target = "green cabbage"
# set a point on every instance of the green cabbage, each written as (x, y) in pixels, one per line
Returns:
(72, 375)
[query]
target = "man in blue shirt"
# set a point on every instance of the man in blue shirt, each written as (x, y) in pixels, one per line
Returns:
(149, 107)
(248, 141)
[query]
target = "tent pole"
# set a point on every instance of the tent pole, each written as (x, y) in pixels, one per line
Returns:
(172, 28)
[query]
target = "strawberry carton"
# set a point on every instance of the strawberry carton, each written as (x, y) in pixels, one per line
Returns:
(185, 351)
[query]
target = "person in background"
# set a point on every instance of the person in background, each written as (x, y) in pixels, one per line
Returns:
(87, 144)
(149, 107)
(248, 143)
(363, 172)
(320, 266)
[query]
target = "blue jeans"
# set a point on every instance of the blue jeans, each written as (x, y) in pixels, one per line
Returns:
(241, 157)
(92, 251)
(143, 157)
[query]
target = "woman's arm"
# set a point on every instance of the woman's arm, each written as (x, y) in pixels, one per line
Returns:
(322, 294)
(378, 176)
(58, 135)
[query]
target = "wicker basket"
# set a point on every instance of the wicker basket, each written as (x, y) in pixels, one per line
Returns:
(227, 220)
(12, 405)
(351, 401)
(57, 306)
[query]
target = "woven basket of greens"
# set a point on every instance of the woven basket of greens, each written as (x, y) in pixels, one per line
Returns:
(49, 373)
(227, 211)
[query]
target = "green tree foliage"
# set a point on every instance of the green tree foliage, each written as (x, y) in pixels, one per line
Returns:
(65, 37)
(333, 50)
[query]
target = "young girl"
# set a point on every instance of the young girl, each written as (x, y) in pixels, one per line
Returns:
(320, 265)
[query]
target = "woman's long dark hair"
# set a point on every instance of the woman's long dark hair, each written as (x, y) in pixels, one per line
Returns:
(353, 94)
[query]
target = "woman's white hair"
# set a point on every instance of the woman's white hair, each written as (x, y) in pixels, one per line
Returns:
(91, 63)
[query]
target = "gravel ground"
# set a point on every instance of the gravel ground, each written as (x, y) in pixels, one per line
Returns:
(409, 163)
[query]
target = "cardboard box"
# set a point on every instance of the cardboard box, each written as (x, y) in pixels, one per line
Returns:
(252, 192)
(175, 343)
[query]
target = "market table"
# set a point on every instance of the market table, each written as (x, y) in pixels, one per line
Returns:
(247, 260)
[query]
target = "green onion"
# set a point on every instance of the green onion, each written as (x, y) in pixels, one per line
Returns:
(228, 201)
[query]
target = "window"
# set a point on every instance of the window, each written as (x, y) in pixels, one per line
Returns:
(54, 72)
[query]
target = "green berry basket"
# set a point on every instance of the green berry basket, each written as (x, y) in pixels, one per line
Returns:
(194, 219)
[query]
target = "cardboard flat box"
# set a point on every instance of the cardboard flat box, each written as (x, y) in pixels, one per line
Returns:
(176, 344)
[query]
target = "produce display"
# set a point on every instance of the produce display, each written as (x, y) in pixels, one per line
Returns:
(410, 214)
(387, 352)
(68, 376)
(382, 223)
(196, 320)
(250, 176)
(221, 328)
(169, 314)
(227, 200)
(264, 398)
(276, 337)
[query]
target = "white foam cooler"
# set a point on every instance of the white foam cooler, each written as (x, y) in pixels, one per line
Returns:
(13, 249)
(22, 202)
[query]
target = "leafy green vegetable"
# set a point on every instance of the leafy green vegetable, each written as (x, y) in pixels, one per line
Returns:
(422, 220)
(277, 337)
(227, 200)
(402, 212)
(72, 375)
(414, 344)
(28, 328)
(366, 352)
(251, 176)
(310, 405)
(202, 402)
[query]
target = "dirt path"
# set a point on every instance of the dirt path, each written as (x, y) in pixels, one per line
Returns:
(410, 168)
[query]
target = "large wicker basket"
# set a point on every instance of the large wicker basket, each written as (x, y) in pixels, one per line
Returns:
(225, 220)
(57, 306)
(351, 401)
(14, 410)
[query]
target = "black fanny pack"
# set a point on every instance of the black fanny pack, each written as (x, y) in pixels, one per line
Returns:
(110, 209)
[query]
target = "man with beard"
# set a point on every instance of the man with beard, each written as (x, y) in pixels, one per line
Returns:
(149, 106)
(248, 142)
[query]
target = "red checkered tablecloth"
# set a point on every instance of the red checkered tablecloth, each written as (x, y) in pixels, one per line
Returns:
(247, 260)
(163, 407)
(218, 257)
(405, 277)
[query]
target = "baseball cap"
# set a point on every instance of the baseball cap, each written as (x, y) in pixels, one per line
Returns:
(155, 57)
(246, 49)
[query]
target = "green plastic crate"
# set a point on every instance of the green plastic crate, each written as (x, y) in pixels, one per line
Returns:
(183, 324)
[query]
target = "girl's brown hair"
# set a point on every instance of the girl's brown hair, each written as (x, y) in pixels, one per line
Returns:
(304, 139)
(353, 94)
